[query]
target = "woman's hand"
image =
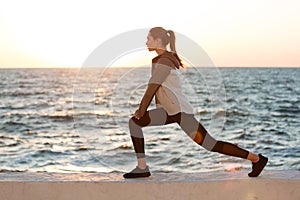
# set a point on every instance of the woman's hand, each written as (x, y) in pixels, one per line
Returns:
(138, 114)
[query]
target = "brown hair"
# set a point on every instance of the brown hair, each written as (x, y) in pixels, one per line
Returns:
(166, 36)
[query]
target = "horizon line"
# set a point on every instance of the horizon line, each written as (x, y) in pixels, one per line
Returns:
(78, 67)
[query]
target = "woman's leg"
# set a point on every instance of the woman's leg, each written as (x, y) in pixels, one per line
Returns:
(155, 117)
(199, 134)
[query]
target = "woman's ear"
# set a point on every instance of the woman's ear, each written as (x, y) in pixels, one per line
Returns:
(158, 41)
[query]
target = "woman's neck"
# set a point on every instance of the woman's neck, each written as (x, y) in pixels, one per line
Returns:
(160, 51)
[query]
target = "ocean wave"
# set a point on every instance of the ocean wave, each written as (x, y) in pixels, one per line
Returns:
(60, 117)
(14, 123)
(5, 170)
(273, 142)
(240, 136)
(282, 115)
(48, 152)
(289, 110)
(84, 148)
(237, 112)
(20, 94)
(123, 147)
(275, 131)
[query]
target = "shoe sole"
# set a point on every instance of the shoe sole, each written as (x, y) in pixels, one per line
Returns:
(145, 176)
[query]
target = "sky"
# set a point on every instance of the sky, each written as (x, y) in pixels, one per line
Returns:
(62, 33)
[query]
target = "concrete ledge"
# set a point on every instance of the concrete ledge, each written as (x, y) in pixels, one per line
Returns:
(208, 186)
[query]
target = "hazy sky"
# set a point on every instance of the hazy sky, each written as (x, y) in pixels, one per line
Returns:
(37, 33)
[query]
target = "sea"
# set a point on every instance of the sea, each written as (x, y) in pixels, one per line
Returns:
(74, 120)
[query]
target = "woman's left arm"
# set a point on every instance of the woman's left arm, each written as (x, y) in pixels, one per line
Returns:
(160, 74)
(146, 100)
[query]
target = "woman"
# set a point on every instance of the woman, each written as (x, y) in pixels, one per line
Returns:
(173, 106)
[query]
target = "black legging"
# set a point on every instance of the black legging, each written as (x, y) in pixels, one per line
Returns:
(188, 123)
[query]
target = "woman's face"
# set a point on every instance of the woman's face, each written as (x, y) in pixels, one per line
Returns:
(152, 43)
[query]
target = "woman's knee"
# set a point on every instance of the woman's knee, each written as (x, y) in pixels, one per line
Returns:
(142, 122)
(209, 143)
(132, 122)
(135, 129)
(197, 137)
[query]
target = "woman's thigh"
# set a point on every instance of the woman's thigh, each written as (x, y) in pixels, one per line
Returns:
(154, 117)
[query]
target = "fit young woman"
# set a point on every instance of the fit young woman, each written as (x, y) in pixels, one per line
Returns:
(172, 106)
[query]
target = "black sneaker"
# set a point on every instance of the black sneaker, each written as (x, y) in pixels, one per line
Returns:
(259, 166)
(138, 173)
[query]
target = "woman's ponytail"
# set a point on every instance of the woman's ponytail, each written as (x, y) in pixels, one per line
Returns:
(172, 40)
(172, 46)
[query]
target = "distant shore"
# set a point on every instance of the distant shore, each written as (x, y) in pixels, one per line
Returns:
(85, 67)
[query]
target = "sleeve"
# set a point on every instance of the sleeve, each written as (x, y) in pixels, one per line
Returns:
(160, 73)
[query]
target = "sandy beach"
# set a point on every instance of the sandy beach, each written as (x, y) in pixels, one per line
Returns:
(213, 185)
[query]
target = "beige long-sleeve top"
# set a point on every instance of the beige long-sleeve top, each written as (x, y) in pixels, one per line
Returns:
(165, 85)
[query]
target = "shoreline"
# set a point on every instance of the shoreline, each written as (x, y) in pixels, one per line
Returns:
(281, 184)
(126, 67)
